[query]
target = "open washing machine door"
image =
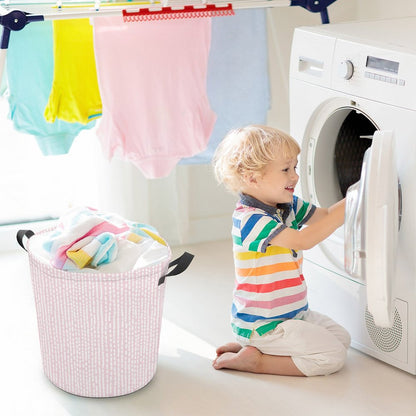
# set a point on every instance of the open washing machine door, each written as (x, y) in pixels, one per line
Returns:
(334, 144)
(372, 226)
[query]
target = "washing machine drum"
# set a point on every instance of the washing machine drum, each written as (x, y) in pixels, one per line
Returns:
(334, 155)
(354, 138)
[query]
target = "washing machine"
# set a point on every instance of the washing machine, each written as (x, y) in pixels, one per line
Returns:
(353, 111)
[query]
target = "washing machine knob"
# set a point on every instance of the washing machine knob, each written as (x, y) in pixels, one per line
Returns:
(346, 69)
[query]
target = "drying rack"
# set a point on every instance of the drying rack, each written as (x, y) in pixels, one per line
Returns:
(15, 16)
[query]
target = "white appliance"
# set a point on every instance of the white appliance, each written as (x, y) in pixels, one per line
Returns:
(353, 111)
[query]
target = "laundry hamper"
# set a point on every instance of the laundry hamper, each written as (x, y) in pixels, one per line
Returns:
(99, 333)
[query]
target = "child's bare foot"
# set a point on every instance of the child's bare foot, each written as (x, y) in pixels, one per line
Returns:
(250, 359)
(230, 347)
(238, 358)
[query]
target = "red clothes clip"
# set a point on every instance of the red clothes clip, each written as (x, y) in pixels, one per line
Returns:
(167, 13)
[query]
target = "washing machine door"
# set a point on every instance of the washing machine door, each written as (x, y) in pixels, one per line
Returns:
(372, 225)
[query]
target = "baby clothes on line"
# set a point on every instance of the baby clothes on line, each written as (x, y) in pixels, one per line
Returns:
(152, 79)
(74, 96)
(3, 84)
(238, 79)
(29, 74)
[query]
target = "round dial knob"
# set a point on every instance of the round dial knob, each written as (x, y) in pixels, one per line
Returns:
(346, 69)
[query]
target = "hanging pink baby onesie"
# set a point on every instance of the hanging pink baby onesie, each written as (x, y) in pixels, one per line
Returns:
(152, 78)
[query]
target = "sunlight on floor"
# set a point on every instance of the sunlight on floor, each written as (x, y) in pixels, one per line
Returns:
(177, 338)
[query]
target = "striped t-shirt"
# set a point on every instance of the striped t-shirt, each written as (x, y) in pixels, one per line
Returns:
(269, 286)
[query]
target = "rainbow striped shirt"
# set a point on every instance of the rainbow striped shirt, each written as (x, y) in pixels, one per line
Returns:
(269, 286)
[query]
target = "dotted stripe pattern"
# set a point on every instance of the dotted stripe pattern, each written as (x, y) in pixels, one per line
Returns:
(99, 333)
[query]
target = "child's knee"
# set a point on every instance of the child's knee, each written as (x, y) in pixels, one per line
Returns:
(322, 364)
(345, 338)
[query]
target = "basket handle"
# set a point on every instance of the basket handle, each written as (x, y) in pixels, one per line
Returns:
(181, 263)
(21, 234)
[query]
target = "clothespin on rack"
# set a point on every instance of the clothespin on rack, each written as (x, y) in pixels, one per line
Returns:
(165, 13)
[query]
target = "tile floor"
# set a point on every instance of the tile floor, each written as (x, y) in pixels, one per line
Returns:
(195, 322)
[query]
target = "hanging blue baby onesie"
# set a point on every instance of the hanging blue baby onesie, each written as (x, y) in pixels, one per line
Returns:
(238, 78)
(3, 84)
(30, 75)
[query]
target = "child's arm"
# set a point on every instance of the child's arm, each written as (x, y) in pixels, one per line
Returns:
(321, 225)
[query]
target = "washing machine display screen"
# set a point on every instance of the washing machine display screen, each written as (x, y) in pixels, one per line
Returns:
(382, 64)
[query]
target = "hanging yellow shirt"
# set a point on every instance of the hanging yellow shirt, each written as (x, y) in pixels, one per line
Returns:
(75, 96)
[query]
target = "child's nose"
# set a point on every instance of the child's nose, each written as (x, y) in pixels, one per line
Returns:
(295, 175)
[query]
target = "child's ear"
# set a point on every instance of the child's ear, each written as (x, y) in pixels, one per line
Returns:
(251, 178)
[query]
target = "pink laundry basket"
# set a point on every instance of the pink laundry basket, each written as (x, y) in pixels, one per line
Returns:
(99, 333)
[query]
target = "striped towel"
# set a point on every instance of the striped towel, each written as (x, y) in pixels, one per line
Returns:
(86, 237)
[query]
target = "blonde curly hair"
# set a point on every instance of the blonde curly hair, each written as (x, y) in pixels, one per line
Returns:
(248, 150)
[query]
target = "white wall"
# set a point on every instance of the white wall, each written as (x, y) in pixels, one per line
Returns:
(369, 9)
(188, 206)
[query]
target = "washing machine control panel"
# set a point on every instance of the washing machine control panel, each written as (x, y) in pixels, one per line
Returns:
(380, 71)
(346, 71)
(385, 75)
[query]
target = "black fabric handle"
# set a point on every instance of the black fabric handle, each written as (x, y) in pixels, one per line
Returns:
(181, 264)
(21, 234)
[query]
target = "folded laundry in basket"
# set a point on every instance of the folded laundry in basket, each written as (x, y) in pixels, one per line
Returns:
(94, 251)
(86, 237)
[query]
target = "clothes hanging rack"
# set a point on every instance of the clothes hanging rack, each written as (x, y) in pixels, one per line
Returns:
(15, 16)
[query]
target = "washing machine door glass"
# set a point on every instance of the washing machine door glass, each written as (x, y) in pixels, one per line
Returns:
(372, 225)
